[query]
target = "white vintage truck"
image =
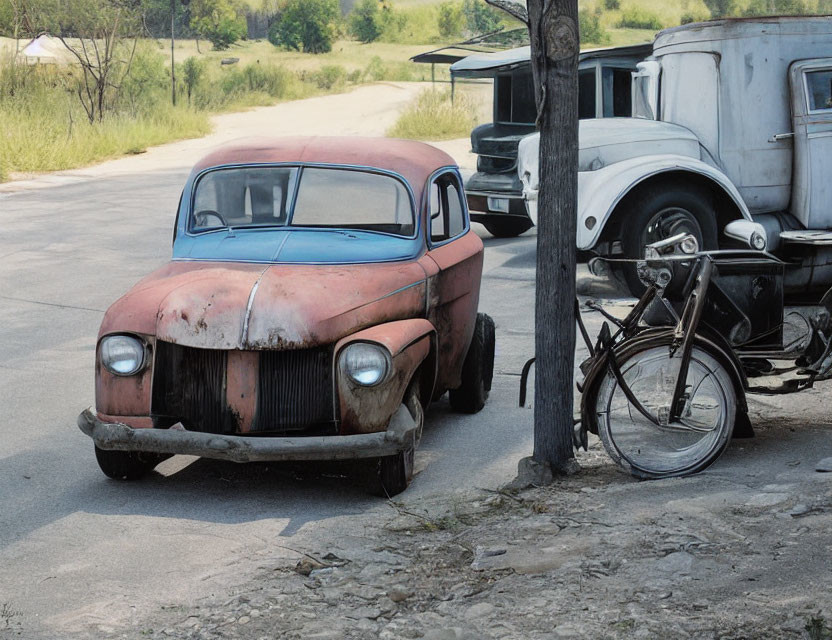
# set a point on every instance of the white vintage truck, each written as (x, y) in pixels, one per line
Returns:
(732, 120)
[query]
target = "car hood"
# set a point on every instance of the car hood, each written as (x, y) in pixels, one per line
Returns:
(266, 306)
(604, 141)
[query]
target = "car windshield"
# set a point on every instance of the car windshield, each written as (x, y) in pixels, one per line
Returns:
(322, 197)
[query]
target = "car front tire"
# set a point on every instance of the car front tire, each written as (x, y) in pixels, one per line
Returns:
(126, 465)
(478, 369)
(392, 474)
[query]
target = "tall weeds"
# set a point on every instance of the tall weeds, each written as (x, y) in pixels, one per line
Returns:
(43, 126)
(434, 116)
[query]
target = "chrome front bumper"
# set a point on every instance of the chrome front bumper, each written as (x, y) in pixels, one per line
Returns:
(401, 434)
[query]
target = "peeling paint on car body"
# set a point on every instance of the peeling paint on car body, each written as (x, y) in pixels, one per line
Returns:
(244, 293)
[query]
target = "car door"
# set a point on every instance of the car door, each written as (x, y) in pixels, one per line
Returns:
(454, 287)
(811, 88)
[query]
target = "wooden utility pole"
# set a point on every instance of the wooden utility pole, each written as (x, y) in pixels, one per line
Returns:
(555, 44)
(172, 61)
(553, 29)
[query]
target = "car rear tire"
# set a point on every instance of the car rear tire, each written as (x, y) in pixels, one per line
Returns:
(508, 228)
(126, 465)
(478, 369)
(661, 212)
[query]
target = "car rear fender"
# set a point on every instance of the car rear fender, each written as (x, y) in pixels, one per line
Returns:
(412, 345)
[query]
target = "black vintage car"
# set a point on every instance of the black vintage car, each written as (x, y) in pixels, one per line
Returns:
(495, 195)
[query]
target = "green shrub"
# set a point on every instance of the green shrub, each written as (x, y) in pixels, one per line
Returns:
(307, 25)
(222, 22)
(366, 21)
(480, 17)
(267, 79)
(691, 16)
(778, 7)
(638, 18)
(329, 77)
(591, 29)
(145, 80)
(612, 5)
(378, 70)
(193, 70)
(450, 20)
(721, 8)
(398, 26)
(435, 117)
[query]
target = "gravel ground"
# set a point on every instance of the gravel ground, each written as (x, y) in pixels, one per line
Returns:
(739, 552)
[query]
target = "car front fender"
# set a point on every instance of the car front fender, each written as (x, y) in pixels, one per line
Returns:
(411, 344)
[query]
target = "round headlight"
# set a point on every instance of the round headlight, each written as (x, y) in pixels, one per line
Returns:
(758, 241)
(366, 364)
(122, 355)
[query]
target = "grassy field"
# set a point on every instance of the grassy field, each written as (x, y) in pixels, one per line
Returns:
(44, 128)
(44, 113)
(349, 54)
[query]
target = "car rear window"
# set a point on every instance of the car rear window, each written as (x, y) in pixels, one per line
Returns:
(321, 197)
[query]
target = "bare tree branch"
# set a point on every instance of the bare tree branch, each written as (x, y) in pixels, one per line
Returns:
(514, 9)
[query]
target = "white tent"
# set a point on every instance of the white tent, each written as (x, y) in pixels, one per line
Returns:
(46, 49)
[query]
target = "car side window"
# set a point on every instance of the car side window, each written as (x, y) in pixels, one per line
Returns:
(447, 213)
(437, 219)
(456, 217)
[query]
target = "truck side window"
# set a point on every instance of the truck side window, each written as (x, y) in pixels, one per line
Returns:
(819, 85)
(617, 87)
(586, 94)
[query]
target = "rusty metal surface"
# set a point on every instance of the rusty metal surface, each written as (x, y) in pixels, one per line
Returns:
(124, 395)
(368, 409)
(422, 309)
(400, 434)
(206, 305)
(242, 371)
(454, 297)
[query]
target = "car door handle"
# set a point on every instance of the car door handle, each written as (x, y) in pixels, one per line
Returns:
(777, 137)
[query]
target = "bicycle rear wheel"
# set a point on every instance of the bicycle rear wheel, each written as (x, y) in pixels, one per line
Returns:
(687, 446)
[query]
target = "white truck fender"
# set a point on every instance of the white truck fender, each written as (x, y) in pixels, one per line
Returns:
(600, 191)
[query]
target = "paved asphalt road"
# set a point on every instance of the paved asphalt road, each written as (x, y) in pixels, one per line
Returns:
(81, 554)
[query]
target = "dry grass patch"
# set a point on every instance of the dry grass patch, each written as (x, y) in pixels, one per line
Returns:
(434, 116)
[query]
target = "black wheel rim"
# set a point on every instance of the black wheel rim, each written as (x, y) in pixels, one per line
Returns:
(669, 222)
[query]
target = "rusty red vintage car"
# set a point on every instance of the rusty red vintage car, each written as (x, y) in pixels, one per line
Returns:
(322, 291)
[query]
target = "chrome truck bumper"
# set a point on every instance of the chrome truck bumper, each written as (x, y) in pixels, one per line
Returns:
(401, 434)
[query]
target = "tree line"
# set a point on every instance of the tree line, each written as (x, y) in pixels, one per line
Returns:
(304, 25)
